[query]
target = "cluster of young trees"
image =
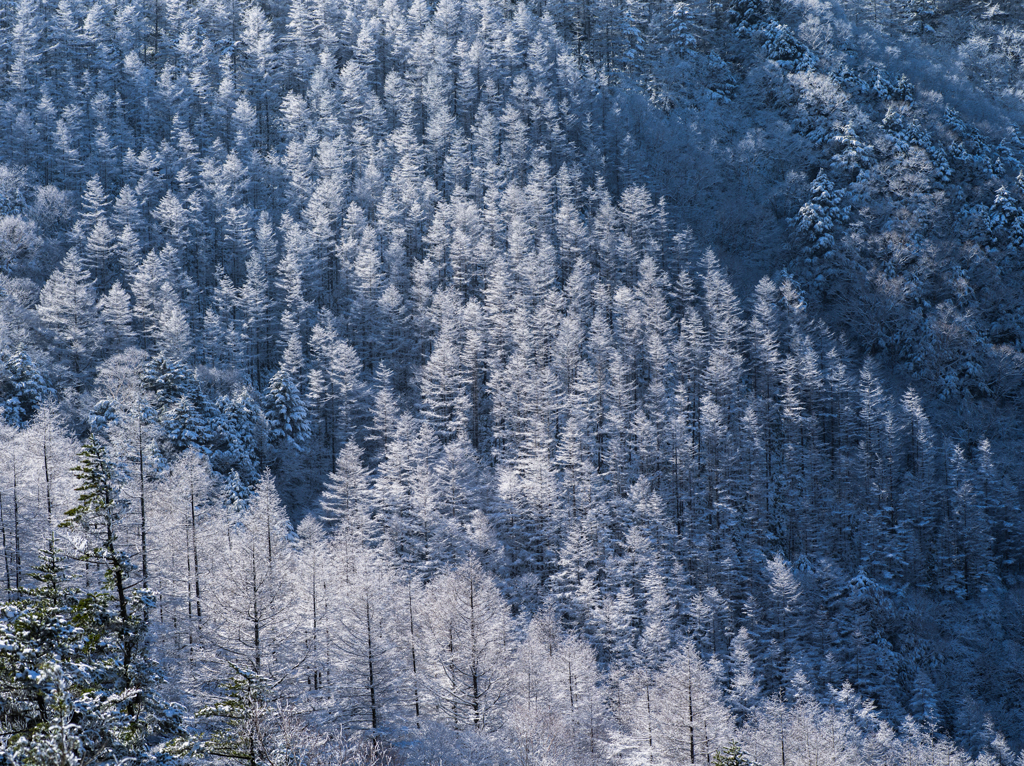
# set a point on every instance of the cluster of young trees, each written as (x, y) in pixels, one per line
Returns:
(358, 365)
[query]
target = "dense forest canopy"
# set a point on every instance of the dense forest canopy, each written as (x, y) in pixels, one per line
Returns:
(479, 382)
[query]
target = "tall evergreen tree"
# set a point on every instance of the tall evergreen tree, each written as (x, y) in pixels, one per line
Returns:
(67, 697)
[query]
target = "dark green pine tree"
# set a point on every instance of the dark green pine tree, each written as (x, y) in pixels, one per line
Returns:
(123, 717)
(50, 659)
(22, 387)
(98, 515)
(732, 755)
(244, 728)
(286, 412)
(63, 699)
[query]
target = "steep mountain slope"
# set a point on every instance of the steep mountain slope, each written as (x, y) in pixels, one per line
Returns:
(609, 360)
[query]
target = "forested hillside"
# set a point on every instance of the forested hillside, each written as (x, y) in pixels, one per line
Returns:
(490, 382)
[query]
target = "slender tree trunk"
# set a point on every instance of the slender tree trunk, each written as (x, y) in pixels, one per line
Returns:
(475, 670)
(189, 579)
(369, 657)
(142, 510)
(255, 617)
(412, 648)
(650, 729)
(195, 557)
(7, 556)
(46, 477)
(122, 597)
(17, 534)
(693, 740)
